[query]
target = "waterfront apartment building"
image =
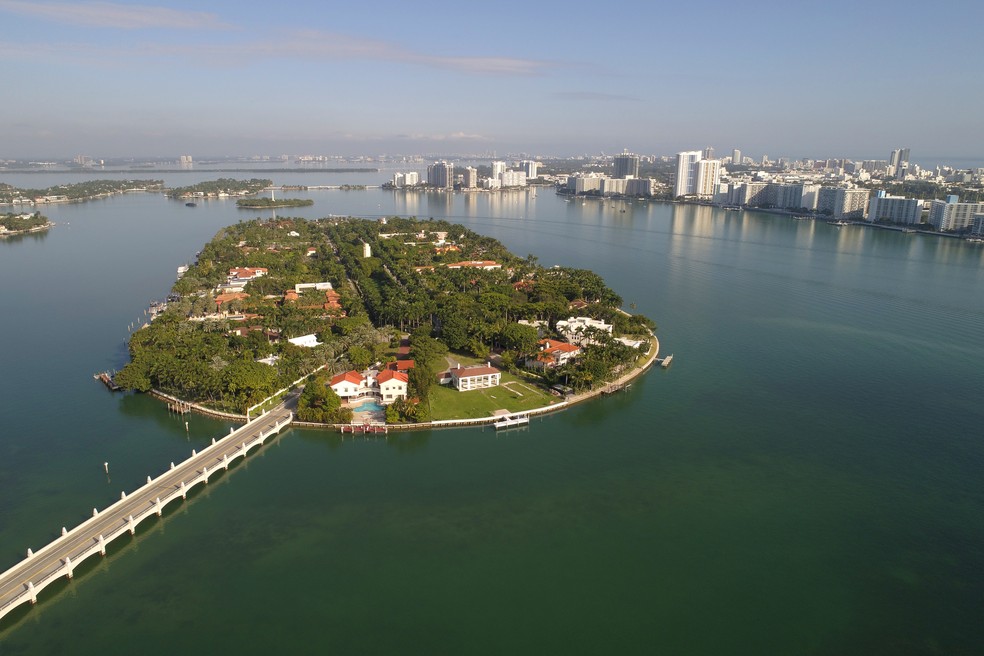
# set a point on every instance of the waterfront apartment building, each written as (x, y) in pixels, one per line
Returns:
(626, 165)
(708, 177)
(951, 215)
(894, 209)
(530, 167)
(686, 173)
(512, 178)
(842, 203)
(498, 168)
(407, 179)
(469, 178)
(441, 175)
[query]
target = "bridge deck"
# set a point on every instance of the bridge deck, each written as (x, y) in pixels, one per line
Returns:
(22, 582)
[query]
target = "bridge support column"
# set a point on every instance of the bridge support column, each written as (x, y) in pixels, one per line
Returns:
(148, 480)
(194, 453)
(64, 531)
(131, 525)
(31, 591)
(184, 490)
(122, 495)
(213, 440)
(225, 460)
(172, 465)
(95, 513)
(157, 506)
(30, 554)
(205, 473)
(69, 567)
(102, 545)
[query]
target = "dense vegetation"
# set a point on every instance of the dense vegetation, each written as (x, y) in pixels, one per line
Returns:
(229, 186)
(79, 190)
(20, 222)
(205, 346)
(269, 203)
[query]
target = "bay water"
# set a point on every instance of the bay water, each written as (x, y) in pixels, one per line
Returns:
(804, 479)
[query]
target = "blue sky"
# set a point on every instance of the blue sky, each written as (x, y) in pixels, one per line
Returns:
(211, 77)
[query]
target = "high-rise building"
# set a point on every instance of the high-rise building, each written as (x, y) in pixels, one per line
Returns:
(951, 214)
(708, 177)
(842, 203)
(736, 156)
(513, 178)
(469, 178)
(708, 153)
(686, 173)
(898, 162)
(894, 209)
(531, 168)
(626, 165)
(441, 175)
(498, 168)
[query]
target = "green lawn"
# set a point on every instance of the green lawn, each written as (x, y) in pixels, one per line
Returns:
(512, 394)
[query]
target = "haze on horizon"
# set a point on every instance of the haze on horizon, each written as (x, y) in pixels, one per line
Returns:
(114, 79)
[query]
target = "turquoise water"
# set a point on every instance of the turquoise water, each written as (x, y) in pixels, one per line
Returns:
(369, 406)
(804, 479)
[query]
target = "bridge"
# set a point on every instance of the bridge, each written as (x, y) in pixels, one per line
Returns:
(22, 582)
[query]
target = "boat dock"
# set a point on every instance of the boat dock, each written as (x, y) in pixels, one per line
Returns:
(511, 422)
(665, 362)
(107, 379)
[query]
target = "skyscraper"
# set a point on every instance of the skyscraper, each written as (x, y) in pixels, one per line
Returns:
(498, 168)
(626, 165)
(708, 177)
(899, 162)
(736, 156)
(709, 153)
(686, 173)
(441, 175)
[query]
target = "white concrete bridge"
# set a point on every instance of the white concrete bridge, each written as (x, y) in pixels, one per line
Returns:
(22, 582)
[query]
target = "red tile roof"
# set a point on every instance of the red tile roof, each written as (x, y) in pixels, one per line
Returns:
(400, 365)
(349, 376)
(389, 374)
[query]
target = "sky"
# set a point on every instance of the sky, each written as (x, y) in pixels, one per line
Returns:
(215, 77)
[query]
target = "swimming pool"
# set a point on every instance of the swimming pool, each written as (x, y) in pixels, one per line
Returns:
(369, 405)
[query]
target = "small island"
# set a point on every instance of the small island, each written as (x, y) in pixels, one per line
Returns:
(22, 224)
(272, 203)
(73, 193)
(409, 322)
(220, 188)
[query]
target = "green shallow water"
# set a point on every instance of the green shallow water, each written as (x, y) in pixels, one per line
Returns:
(804, 479)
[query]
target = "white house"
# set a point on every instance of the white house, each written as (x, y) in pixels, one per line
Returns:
(349, 384)
(576, 329)
(308, 341)
(469, 378)
(553, 354)
(393, 385)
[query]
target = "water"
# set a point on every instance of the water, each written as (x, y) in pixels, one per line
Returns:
(804, 479)
(368, 406)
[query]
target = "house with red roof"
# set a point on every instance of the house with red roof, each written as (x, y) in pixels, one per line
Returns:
(470, 378)
(393, 385)
(349, 385)
(553, 353)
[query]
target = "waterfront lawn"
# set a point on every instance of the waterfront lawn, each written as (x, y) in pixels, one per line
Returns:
(512, 394)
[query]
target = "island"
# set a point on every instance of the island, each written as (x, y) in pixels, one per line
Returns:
(22, 224)
(404, 321)
(71, 193)
(272, 203)
(220, 188)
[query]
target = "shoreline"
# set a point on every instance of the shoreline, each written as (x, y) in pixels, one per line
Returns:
(619, 382)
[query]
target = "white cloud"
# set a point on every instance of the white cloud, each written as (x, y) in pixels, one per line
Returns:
(110, 14)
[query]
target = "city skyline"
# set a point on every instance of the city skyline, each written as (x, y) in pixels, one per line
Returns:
(152, 78)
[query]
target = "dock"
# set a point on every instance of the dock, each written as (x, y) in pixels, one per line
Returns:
(665, 362)
(511, 422)
(106, 378)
